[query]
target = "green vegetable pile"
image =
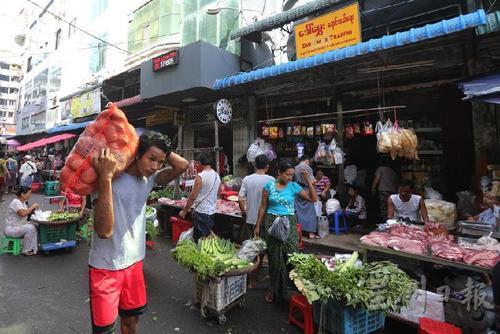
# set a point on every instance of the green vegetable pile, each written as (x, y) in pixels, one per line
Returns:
(187, 254)
(85, 231)
(59, 216)
(222, 250)
(212, 256)
(149, 211)
(377, 286)
(166, 192)
(151, 230)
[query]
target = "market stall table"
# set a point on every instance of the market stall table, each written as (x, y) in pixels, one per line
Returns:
(227, 209)
(366, 249)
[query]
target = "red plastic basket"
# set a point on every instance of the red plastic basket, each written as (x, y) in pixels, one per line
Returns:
(430, 326)
(179, 225)
(36, 186)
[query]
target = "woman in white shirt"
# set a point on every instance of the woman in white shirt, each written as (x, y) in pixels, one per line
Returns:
(16, 222)
(203, 198)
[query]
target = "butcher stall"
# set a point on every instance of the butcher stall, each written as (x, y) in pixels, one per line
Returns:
(227, 216)
(455, 267)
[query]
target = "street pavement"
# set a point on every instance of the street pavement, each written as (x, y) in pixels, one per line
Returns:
(49, 294)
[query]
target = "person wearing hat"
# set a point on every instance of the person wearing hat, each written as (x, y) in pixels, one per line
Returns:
(27, 170)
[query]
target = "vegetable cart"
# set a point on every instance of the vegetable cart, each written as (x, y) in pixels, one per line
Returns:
(217, 295)
(59, 234)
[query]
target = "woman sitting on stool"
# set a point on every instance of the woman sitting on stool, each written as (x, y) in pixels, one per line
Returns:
(16, 222)
(355, 210)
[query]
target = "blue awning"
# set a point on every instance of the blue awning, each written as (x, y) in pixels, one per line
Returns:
(411, 36)
(485, 88)
(68, 127)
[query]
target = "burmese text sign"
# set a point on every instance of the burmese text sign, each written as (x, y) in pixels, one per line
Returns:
(328, 32)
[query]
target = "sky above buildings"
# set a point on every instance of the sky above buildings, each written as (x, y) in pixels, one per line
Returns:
(9, 26)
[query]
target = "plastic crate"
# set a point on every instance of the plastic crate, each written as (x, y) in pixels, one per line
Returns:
(57, 232)
(179, 225)
(51, 188)
(221, 291)
(430, 326)
(340, 319)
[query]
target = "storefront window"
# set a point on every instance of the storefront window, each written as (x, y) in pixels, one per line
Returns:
(98, 55)
(54, 79)
(40, 85)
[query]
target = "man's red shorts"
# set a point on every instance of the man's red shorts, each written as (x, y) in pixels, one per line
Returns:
(2, 181)
(114, 292)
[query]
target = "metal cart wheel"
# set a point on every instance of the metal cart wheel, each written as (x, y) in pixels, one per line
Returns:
(204, 312)
(241, 303)
(222, 319)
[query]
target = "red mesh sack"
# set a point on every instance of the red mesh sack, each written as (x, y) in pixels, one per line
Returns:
(112, 130)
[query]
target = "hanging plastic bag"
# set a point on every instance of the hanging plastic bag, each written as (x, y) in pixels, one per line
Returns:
(320, 152)
(367, 129)
(257, 148)
(186, 235)
(280, 228)
(349, 131)
(251, 248)
(323, 226)
(269, 151)
(338, 156)
(431, 193)
(333, 145)
(300, 150)
(357, 129)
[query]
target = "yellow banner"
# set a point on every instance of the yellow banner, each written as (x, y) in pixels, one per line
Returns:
(328, 32)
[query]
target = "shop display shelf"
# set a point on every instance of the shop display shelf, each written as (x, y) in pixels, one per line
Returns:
(430, 152)
(429, 130)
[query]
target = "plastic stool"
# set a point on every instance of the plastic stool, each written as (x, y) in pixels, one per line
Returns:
(299, 232)
(430, 326)
(335, 220)
(299, 303)
(5, 245)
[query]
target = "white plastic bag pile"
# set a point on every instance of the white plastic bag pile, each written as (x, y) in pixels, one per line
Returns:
(396, 141)
(329, 154)
(258, 147)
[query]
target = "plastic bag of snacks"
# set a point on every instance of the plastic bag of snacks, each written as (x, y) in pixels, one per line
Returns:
(396, 141)
(442, 213)
(110, 130)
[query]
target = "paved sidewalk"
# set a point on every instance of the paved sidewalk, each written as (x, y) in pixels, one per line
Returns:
(49, 294)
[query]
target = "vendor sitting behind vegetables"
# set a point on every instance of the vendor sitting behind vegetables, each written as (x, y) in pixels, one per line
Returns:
(406, 205)
(16, 222)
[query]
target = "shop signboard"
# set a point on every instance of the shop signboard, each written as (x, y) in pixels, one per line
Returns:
(82, 105)
(163, 116)
(328, 32)
(165, 60)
